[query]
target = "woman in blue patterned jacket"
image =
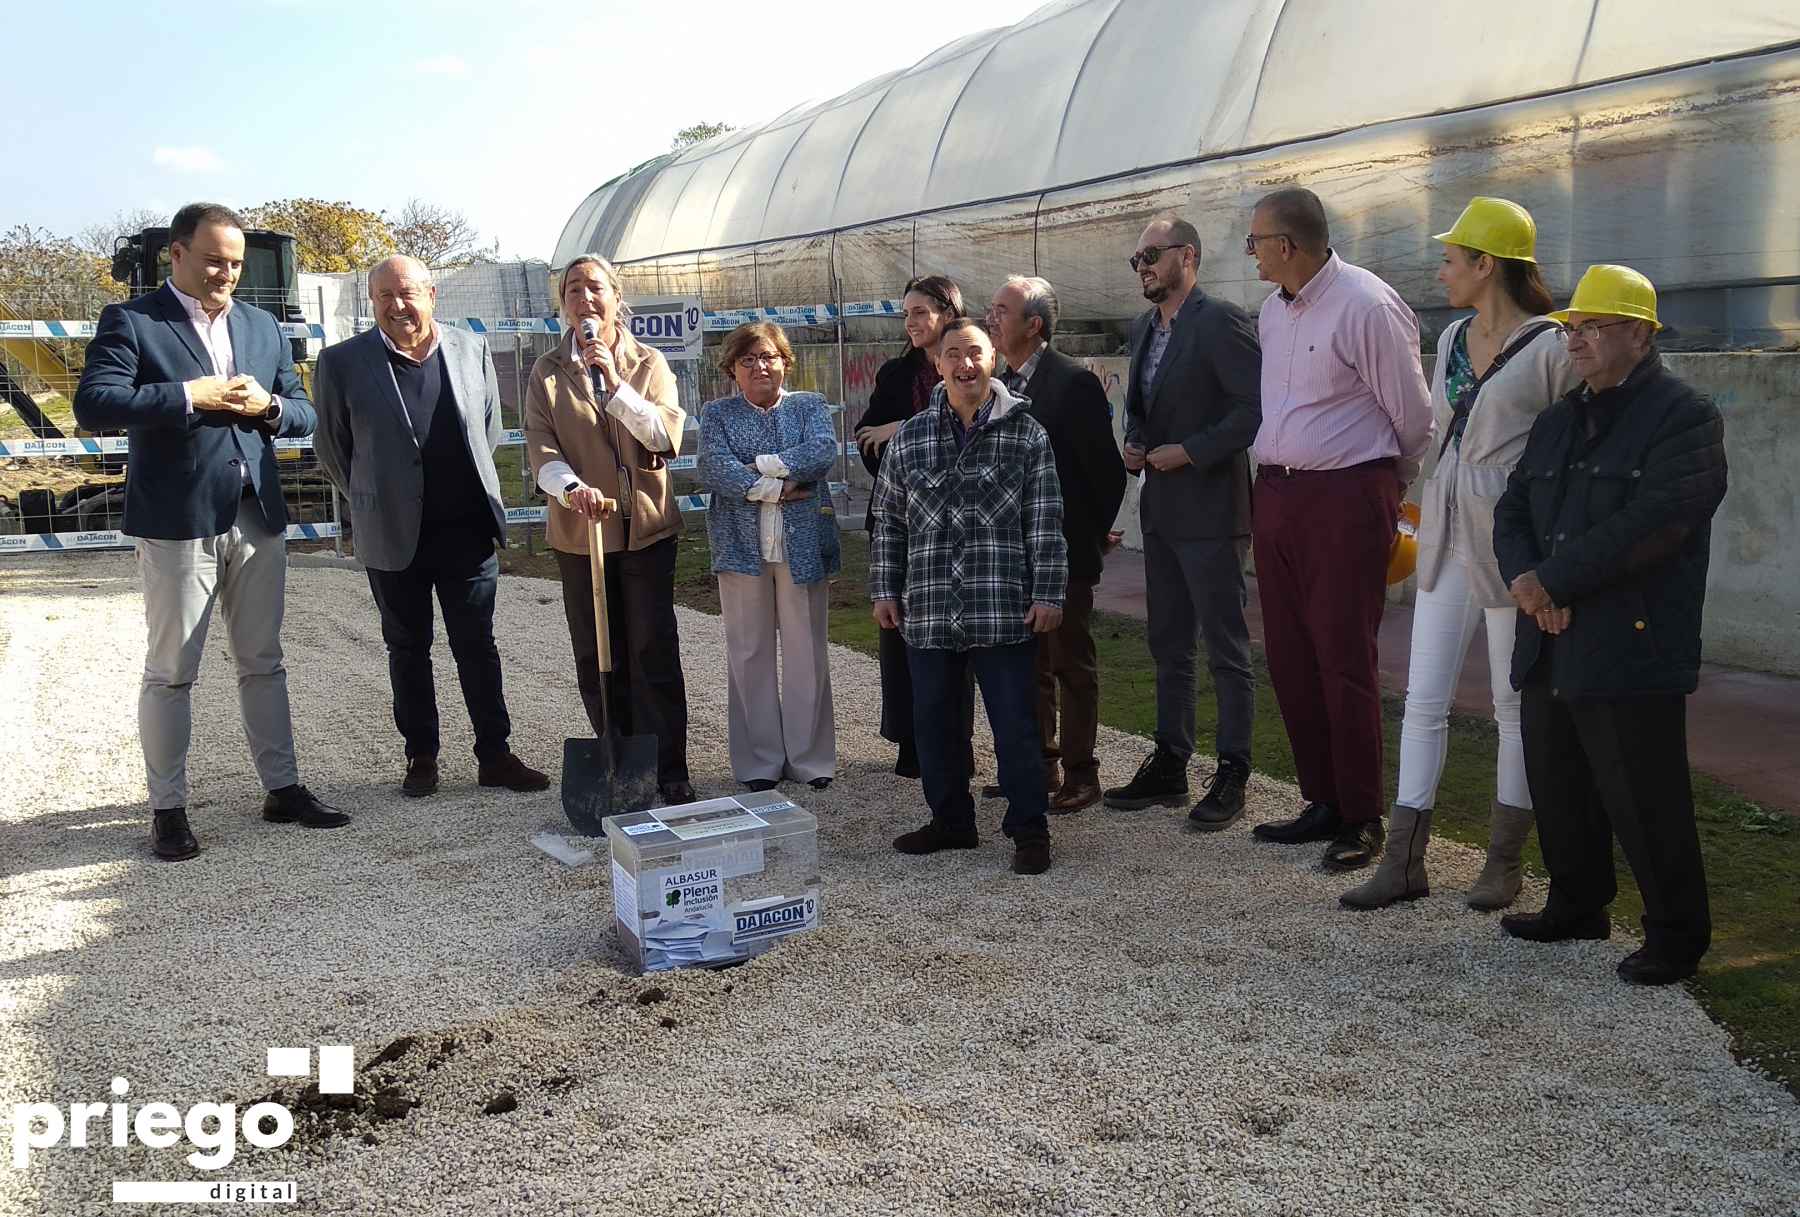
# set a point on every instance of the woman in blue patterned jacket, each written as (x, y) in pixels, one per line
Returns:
(764, 454)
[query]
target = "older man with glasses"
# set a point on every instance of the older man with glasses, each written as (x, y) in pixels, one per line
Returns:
(1604, 535)
(1346, 420)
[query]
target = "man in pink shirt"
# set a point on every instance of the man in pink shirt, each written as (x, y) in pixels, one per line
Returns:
(1346, 420)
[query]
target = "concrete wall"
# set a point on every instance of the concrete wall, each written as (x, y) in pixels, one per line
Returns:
(1753, 586)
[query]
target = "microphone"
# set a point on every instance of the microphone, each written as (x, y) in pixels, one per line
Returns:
(590, 332)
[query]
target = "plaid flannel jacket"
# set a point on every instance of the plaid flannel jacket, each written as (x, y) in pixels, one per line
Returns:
(968, 541)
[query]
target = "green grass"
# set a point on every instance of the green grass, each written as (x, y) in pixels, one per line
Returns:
(1750, 982)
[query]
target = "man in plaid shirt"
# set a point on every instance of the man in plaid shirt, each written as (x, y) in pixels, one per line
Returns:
(968, 561)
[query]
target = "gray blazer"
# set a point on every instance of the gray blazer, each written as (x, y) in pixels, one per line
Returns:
(1207, 397)
(366, 444)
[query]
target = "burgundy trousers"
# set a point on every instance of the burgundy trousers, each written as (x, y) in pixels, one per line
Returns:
(1321, 541)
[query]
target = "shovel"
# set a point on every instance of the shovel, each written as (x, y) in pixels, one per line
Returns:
(613, 774)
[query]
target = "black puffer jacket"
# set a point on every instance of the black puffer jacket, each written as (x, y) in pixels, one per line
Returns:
(1612, 504)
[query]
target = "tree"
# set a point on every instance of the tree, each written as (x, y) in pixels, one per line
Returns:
(332, 237)
(439, 236)
(99, 239)
(699, 133)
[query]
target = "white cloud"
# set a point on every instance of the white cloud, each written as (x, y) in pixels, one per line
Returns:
(188, 160)
(442, 65)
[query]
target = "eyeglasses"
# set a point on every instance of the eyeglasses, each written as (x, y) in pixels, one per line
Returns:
(1589, 331)
(750, 362)
(1150, 255)
(1251, 238)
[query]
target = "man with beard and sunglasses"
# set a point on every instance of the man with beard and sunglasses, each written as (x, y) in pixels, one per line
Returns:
(1192, 407)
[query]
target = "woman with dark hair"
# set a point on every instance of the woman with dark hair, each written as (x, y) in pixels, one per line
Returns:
(903, 387)
(1495, 373)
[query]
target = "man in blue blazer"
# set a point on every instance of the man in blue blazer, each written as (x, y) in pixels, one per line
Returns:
(203, 386)
(409, 415)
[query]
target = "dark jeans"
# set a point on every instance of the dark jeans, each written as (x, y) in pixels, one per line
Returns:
(646, 693)
(1068, 684)
(897, 699)
(1322, 539)
(1606, 766)
(458, 563)
(1008, 677)
(1197, 587)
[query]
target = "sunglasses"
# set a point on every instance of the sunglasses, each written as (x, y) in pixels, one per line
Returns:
(1250, 240)
(1150, 255)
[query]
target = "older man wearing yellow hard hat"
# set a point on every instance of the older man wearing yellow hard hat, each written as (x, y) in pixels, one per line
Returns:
(1603, 537)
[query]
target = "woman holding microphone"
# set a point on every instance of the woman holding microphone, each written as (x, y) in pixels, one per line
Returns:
(602, 422)
(1495, 373)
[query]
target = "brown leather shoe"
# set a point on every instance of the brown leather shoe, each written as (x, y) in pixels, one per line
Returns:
(1071, 799)
(514, 774)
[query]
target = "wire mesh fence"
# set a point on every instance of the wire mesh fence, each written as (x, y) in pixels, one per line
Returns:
(63, 488)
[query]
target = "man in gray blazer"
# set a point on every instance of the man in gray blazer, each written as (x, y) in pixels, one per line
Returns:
(409, 414)
(1193, 403)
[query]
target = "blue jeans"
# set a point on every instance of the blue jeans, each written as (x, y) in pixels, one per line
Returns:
(1008, 679)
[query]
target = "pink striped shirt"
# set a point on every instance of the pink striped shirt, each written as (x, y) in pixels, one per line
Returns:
(1341, 379)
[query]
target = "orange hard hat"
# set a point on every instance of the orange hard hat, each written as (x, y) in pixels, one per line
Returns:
(1403, 555)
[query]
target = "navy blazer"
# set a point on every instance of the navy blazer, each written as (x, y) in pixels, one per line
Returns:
(184, 476)
(1207, 397)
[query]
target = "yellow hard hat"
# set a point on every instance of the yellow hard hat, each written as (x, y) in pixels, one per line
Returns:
(1494, 226)
(1615, 291)
(1403, 554)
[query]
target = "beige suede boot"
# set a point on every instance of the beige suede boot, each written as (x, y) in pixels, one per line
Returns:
(1401, 874)
(1503, 875)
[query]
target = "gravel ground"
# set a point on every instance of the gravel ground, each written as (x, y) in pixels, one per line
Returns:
(1164, 1023)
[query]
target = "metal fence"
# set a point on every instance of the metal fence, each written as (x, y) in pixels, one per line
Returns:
(61, 489)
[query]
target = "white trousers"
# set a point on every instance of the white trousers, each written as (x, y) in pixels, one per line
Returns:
(245, 571)
(1444, 621)
(780, 727)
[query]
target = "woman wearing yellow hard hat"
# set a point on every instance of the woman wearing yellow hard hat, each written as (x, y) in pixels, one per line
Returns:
(1495, 372)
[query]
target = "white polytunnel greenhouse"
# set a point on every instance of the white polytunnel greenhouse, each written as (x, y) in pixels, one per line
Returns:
(1658, 133)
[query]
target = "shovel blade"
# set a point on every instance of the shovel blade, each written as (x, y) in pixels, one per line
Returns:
(607, 776)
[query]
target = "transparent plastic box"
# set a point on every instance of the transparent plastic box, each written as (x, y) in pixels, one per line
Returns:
(713, 883)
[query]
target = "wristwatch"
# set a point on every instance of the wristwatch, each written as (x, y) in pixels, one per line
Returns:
(563, 495)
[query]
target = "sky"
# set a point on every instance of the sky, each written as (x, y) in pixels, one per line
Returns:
(508, 112)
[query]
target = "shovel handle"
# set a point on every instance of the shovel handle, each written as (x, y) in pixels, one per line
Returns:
(597, 573)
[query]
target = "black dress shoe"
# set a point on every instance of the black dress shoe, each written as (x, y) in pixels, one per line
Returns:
(758, 785)
(421, 777)
(511, 773)
(933, 837)
(1319, 822)
(296, 805)
(1643, 967)
(676, 793)
(1224, 801)
(820, 783)
(1355, 846)
(1032, 856)
(1549, 926)
(170, 837)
